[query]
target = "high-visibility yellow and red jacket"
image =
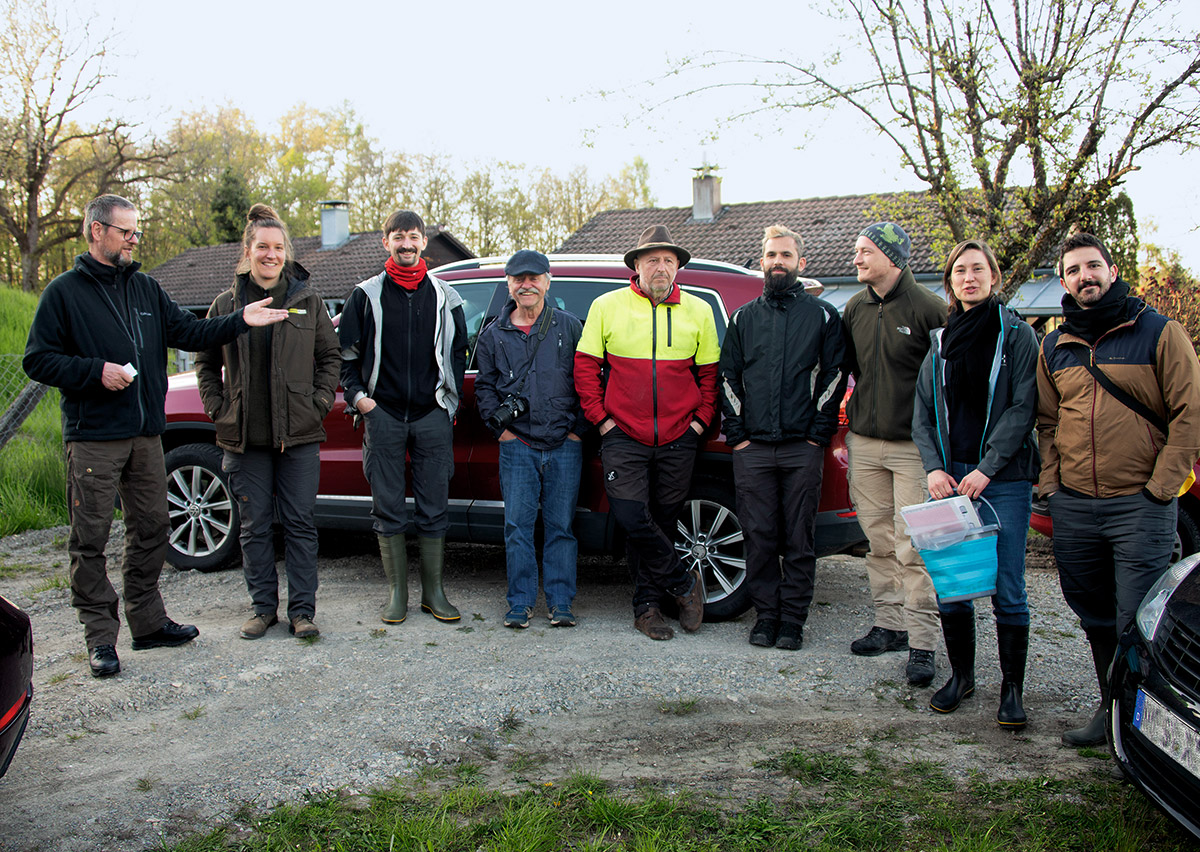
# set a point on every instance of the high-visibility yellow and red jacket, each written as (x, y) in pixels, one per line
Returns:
(661, 359)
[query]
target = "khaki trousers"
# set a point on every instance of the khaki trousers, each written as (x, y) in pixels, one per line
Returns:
(885, 475)
(97, 471)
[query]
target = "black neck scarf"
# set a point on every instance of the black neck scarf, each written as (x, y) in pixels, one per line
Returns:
(1090, 323)
(967, 345)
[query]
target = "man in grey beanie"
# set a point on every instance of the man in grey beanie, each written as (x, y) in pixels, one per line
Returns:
(887, 335)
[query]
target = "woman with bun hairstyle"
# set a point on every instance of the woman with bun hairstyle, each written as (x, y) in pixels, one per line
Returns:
(973, 424)
(268, 393)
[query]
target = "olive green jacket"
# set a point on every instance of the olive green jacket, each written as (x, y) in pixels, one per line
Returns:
(886, 342)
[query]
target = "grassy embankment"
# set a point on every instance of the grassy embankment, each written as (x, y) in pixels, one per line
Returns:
(32, 471)
(837, 804)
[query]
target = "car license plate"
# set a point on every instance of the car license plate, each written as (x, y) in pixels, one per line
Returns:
(1167, 731)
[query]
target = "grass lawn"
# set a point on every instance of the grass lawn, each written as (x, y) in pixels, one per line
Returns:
(824, 802)
(32, 468)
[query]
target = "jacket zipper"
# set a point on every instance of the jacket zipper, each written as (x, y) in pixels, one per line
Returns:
(132, 326)
(276, 356)
(408, 360)
(1095, 387)
(875, 390)
(654, 364)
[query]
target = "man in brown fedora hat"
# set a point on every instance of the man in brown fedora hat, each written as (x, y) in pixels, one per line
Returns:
(660, 347)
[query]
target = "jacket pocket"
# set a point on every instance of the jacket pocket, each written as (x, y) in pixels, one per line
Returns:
(229, 417)
(303, 413)
(297, 320)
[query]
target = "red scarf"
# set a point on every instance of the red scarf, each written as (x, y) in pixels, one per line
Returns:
(407, 277)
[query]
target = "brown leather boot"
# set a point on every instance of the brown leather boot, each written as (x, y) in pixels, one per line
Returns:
(652, 624)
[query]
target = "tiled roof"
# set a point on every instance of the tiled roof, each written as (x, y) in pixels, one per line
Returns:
(195, 277)
(829, 227)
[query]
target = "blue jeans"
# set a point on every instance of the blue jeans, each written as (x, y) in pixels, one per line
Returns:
(1013, 502)
(531, 478)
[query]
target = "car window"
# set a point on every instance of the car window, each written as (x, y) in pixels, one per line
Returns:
(476, 296)
(483, 300)
(714, 302)
(577, 297)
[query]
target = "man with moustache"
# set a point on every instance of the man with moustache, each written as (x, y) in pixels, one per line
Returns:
(1119, 430)
(525, 390)
(404, 351)
(887, 335)
(100, 335)
(781, 383)
(659, 346)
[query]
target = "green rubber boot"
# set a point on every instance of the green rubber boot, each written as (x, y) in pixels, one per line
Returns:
(433, 599)
(395, 566)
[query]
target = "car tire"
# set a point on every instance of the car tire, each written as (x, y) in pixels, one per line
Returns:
(1187, 528)
(204, 515)
(709, 537)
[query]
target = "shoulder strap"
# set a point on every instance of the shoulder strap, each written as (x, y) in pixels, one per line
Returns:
(1118, 394)
(543, 329)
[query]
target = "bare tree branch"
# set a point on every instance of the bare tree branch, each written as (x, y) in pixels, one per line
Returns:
(1021, 117)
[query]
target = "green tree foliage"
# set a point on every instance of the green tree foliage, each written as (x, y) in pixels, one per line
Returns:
(194, 186)
(503, 207)
(1021, 117)
(230, 203)
(1113, 221)
(215, 150)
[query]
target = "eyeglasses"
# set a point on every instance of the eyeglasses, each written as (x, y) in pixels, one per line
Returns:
(128, 233)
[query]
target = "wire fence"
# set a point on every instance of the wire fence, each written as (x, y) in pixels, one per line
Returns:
(18, 396)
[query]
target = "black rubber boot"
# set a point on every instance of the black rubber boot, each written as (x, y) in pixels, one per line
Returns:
(395, 565)
(433, 599)
(1104, 648)
(959, 631)
(1013, 641)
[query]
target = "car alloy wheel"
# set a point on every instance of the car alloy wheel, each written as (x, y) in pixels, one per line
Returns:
(710, 538)
(204, 516)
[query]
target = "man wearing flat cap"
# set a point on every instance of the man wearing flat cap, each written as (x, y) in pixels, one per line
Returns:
(526, 395)
(660, 348)
(887, 334)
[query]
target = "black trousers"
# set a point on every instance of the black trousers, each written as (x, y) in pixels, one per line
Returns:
(1110, 551)
(778, 489)
(647, 487)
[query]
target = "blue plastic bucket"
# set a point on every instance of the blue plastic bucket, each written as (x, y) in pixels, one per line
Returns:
(966, 570)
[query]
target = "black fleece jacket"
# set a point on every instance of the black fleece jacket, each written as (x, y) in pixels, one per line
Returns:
(87, 316)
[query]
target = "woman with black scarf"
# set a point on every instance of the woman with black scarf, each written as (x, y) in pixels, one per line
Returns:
(973, 424)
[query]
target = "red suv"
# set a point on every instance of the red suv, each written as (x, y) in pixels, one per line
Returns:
(204, 520)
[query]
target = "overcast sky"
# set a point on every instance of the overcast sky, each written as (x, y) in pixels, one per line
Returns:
(522, 80)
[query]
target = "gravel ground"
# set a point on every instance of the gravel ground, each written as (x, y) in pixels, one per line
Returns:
(185, 738)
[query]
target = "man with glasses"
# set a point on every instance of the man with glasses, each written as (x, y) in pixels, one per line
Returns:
(100, 335)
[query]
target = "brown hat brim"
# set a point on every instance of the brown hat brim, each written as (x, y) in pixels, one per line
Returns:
(683, 254)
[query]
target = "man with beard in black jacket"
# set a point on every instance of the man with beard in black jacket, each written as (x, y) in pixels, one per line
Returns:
(100, 335)
(781, 383)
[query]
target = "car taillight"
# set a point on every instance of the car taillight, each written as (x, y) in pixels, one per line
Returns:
(15, 710)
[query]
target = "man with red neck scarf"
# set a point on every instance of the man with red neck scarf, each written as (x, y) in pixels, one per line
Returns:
(404, 351)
